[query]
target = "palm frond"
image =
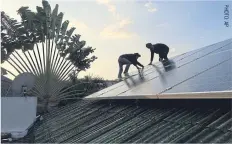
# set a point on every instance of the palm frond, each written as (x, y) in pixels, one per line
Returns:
(42, 44)
(54, 18)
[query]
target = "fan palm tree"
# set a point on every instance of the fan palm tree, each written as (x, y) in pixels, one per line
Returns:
(50, 51)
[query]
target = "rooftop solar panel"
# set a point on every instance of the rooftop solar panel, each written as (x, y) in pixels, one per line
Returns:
(208, 69)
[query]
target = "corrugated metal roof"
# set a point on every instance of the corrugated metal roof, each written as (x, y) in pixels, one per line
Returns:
(153, 121)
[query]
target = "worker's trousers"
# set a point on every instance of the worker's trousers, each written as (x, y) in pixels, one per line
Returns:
(163, 55)
(121, 62)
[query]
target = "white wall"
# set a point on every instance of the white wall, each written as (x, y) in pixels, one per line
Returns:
(17, 113)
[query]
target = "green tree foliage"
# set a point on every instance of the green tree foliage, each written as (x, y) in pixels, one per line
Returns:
(44, 26)
(82, 87)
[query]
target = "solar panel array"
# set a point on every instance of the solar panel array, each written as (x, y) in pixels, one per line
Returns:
(208, 69)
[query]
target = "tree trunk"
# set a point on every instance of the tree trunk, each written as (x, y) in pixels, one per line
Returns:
(45, 104)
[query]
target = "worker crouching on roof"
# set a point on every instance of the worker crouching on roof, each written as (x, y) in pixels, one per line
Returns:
(160, 49)
(128, 59)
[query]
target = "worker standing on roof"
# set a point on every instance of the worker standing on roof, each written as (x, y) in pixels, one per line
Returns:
(128, 59)
(160, 49)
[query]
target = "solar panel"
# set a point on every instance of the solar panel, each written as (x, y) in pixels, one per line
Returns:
(204, 70)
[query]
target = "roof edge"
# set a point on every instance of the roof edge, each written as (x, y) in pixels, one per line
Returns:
(198, 95)
(190, 95)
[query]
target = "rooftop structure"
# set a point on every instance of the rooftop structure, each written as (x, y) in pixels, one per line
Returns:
(202, 73)
(175, 105)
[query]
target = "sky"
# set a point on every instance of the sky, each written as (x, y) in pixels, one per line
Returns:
(116, 27)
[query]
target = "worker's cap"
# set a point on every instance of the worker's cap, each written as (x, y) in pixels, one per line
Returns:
(137, 54)
(148, 45)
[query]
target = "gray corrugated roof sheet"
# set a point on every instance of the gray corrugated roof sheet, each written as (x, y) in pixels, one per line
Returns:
(142, 122)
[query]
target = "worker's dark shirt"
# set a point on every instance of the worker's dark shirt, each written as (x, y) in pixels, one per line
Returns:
(158, 49)
(132, 58)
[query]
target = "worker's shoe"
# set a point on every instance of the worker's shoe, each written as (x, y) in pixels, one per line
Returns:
(126, 74)
(120, 79)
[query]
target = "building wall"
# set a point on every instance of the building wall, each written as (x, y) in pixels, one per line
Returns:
(17, 113)
(6, 84)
